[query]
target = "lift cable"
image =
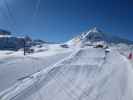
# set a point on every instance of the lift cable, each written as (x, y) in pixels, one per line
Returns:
(37, 5)
(10, 14)
(4, 15)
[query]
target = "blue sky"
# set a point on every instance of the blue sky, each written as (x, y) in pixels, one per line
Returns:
(60, 20)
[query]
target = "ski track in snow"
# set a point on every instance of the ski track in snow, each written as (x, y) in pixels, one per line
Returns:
(14, 68)
(87, 74)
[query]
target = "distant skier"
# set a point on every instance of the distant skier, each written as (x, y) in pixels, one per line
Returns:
(130, 56)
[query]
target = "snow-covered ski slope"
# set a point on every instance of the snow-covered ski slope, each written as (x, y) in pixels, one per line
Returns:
(14, 66)
(86, 74)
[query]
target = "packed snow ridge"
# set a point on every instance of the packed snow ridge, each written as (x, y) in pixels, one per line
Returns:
(88, 67)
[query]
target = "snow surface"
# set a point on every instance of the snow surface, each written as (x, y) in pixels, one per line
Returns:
(91, 66)
(13, 65)
(1, 36)
(86, 74)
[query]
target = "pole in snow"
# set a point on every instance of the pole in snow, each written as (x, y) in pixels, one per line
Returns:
(24, 44)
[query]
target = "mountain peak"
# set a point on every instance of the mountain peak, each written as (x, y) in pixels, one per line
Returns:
(96, 35)
(95, 30)
(93, 34)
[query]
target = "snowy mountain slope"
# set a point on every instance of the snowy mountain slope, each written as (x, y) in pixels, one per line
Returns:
(99, 76)
(96, 35)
